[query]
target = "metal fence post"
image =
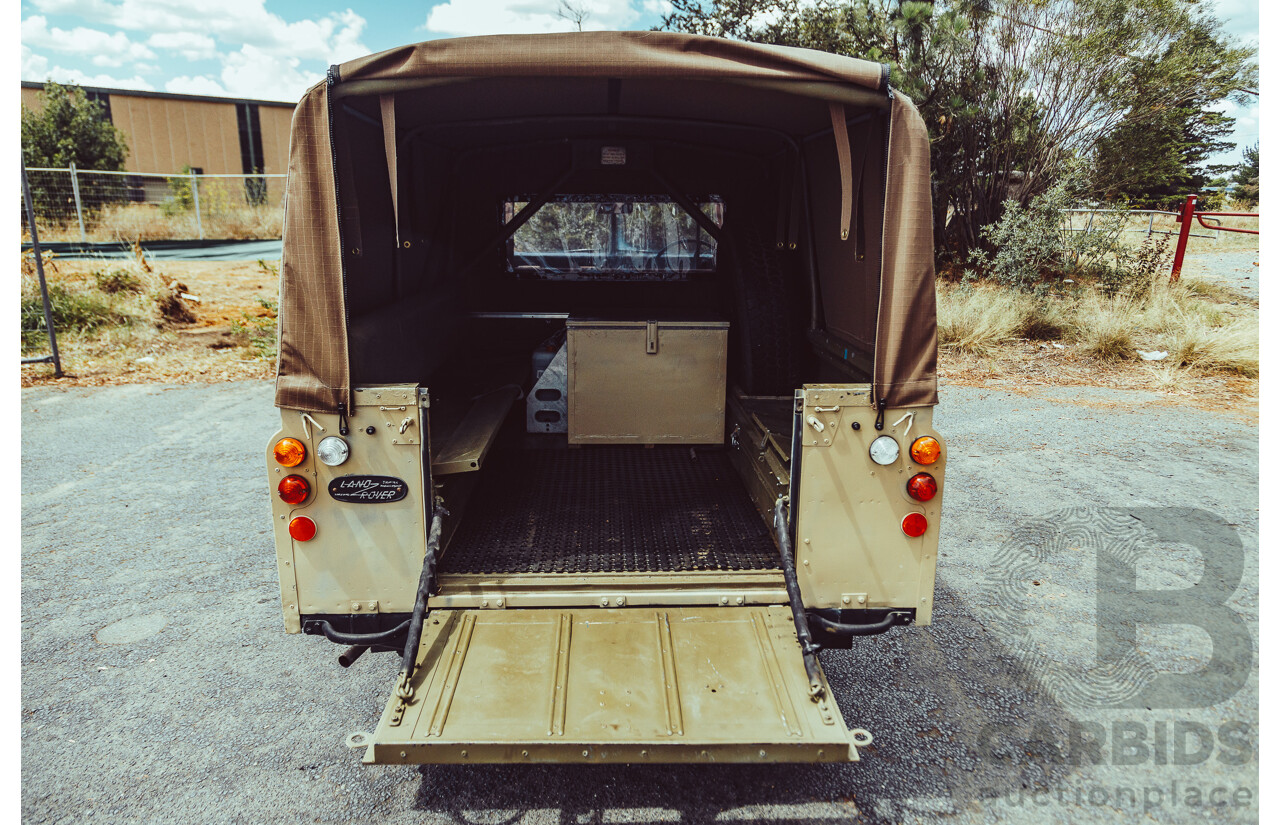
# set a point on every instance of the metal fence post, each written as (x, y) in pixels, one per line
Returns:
(195, 197)
(44, 289)
(1151, 223)
(1187, 216)
(75, 193)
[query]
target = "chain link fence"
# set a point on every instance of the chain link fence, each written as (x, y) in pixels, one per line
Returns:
(83, 206)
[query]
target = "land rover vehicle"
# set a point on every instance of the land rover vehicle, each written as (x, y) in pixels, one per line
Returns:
(607, 373)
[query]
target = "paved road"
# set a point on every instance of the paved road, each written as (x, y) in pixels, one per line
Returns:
(158, 685)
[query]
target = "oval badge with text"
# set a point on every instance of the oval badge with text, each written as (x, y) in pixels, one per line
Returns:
(368, 489)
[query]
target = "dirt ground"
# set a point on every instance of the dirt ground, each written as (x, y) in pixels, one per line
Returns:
(204, 351)
(207, 352)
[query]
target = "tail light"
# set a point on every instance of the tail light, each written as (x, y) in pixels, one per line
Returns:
(914, 525)
(290, 452)
(293, 489)
(922, 487)
(925, 450)
(302, 529)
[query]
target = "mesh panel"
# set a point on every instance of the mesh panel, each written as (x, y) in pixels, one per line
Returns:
(609, 510)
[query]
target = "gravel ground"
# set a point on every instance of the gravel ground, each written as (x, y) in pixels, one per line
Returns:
(1236, 268)
(159, 686)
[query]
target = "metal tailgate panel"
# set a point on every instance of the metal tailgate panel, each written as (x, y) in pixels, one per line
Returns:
(636, 684)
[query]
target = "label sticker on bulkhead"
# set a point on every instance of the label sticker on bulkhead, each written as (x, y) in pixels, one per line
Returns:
(368, 489)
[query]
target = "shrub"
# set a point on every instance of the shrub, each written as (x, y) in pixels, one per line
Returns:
(1105, 328)
(978, 319)
(72, 311)
(258, 333)
(117, 280)
(1231, 348)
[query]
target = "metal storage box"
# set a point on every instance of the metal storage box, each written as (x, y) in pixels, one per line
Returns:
(646, 382)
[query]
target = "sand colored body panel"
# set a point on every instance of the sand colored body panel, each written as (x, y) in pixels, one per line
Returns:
(612, 685)
(365, 557)
(851, 549)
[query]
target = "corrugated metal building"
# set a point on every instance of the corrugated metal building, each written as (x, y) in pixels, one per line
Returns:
(213, 135)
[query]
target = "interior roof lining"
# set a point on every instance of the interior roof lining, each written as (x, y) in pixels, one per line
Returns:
(826, 91)
(359, 94)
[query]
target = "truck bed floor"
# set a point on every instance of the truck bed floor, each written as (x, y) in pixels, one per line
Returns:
(609, 509)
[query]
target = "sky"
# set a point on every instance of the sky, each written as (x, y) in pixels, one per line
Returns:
(275, 49)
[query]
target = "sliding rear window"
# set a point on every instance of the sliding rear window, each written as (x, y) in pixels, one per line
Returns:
(612, 237)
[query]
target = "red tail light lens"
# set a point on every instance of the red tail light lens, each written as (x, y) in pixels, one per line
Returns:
(290, 452)
(922, 487)
(914, 525)
(293, 489)
(302, 529)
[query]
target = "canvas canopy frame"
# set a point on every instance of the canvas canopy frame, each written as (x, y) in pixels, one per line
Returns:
(873, 297)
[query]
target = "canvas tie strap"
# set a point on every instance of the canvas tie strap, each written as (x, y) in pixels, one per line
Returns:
(840, 131)
(388, 105)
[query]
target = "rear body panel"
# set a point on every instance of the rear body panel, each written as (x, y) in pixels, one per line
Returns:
(667, 684)
(366, 556)
(850, 549)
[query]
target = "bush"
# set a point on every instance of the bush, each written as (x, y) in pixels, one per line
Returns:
(117, 280)
(258, 333)
(72, 311)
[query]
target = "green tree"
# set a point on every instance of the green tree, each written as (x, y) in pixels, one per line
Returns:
(1158, 155)
(1012, 91)
(69, 128)
(1244, 183)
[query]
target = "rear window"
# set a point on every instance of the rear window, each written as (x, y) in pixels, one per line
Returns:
(612, 237)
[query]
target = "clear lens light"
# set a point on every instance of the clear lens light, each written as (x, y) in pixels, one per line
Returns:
(884, 450)
(333, 450)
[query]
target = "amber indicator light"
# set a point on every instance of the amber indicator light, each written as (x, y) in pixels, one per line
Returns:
(302, 529)
(922, 487)
(925, 450)
(293, 489)
(290, 452)
(914, 525)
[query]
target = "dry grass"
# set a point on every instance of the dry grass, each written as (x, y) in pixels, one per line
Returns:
(1105, 328)
(149, 222)
(1201, 330)
(1232, 347)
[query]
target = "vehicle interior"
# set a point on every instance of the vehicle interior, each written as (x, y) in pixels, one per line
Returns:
(612, 289)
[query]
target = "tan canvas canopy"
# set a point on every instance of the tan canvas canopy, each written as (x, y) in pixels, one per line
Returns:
(877, 302)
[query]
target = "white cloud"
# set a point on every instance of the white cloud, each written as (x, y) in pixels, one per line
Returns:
(106, 49)
(195, 86)
(660, 8)
(34, 66)
(191, 45)
(1244, 134)
(472, 17)
(332, 39)
(1239, 18)
(252, 72)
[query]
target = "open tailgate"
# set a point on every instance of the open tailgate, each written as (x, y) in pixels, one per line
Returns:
(694, 684)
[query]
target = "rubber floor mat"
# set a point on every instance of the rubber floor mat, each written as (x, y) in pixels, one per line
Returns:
(609, 510)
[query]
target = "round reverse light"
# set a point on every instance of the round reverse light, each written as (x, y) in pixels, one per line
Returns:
(302, 529)
(290, 452)
(884, 450)
(333, 450)
(293, 489)
(922, 487)
(914, 525)
(925, 450)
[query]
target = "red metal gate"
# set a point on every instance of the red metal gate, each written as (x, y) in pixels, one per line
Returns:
(1185, 217)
